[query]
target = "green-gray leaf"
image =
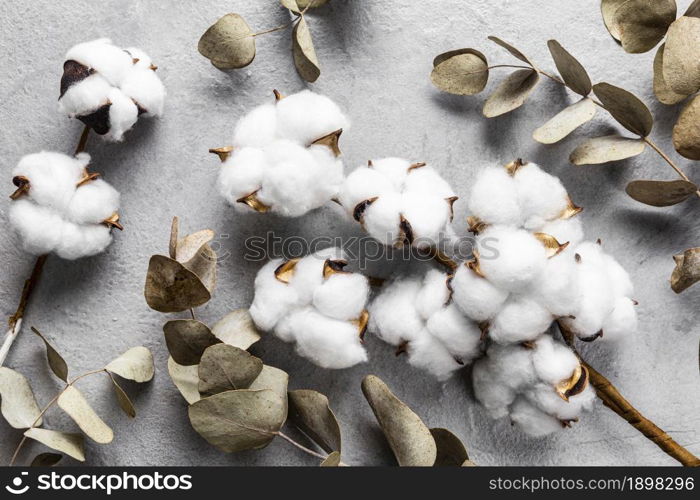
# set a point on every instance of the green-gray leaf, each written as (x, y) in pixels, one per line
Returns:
(605, 149)
(681, 66)
(237, 329)
(460, 72)
(663, 91)
(572, 72)
(186, 379)
(687, 270)
(171, 287)
(71, 444)
(626, 108)
(187, 339)
(57, 364)
(310, 411)
(46, 460)
(122, 398)
(76, 406)
(511, 93)
(274, 379)
(135, 364)
(686, 132)
(660, 193)
(332, 460)
(229, 43)
(409, 438)
(238, 420)
(450, 450)
(565, 122)
(224, 367)
(513, 51)
(643, 23)
(18, 405)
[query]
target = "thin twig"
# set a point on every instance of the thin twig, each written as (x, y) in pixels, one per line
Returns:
(304, 448)
(668, 160)
(612, 398)
(82, 143)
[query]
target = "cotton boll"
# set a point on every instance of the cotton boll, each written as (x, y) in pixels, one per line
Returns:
(329, 173)
(532, 420)
(273, 298)
(596, 301)
(619, 279)
(93, 203)
(394, 169)
(382, 218)
(476, 296)
(241, 175)
(110, 61)
(143, 86)
(308, 273)
(123, 114)
(342, 296)
(257, 129)
(52, 176)
(553, 361)
(520, 320)
(621, 322)
(591, 254)
(144, 60)
(511, 365)
(557, 287)
(427, 215)
(459, 335)
(433, 295)
(510, 258)
(85, 97)
(82, 241)
(393, 315)
(547, 399)
(494, 198)
(363, 184)
(541, 196)
(493, 396)
(39, 228)
(565, 231)
(427, 181)
(429, 354)
(305, 117)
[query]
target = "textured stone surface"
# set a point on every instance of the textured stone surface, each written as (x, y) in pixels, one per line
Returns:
(376, 58)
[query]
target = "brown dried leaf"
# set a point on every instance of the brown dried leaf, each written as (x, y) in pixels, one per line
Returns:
(681, 65)
(687, 271)
(608, 8)
(187, 339)
(643, 23)
(450, 450)
(565, 122)
(174, 230)
(135, 364)
(513, 51)
(57, 364)
(274, 379)
(171, 287)
(71, 444)
(237, 329)
(572, 72)
(296, 6)
(686, 132)
(122, 398)
(332, 460)
(203, 264)
(660, 193)
(229, 43)
(626, 108)
(604, 149)
(460, 72)
(511, 93)
(304, 53)
(17, 402)
(663, 92)
(310, 411)
(224, 367)
(76, 406)
(409, 438)
(186, 379)
(46, 460)
(190, 245)
(693, 9)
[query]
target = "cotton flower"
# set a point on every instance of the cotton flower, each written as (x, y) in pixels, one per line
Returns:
(399, 202)
(59, 207)
(417, 316)
(284, 157)
(109, 88)
(314, 303)
(542, 387)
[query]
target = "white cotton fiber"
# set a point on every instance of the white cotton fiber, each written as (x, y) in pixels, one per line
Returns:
(493, 396)
(510, 258)
(382, 218)
(319, 313)
(564, 231)
(257, 129)
(596, 301)
(531, 420)
(306, 116)
(476, 296)
(433, 295)
(429, 354)
(394, 169)
(494, 198)
(622, 321)
(241, 175)
(426, 181)
(553, 361)
(521, 319)
(123, 79)
(557, 287)
(362, 184)
(55, 213)
(541, 196)
(428, 215)
(393, 314)
(458, 334)
(619, 279)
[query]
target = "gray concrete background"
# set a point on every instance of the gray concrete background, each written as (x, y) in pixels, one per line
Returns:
(376, 58)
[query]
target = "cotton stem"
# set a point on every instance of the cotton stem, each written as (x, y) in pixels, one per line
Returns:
(612, 398)
(304, 448)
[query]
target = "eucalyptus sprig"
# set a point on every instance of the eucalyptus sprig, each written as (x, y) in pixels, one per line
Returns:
(230, 43)
(238, 403)
(21, 411)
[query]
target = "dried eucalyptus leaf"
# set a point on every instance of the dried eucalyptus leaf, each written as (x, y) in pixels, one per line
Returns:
(135, 364)
(71, 444)
(626, 108)
(203, 264)
(572, 72)
(46, 460)
(310, 412)
(332, 460)
(291, 5)
(660, 193)
(187, 339)
(511, 93)
(304, 53)
(123, 398)
(274, 379)
(186, 379)
(225, 367)
(189, 246)
(238, 420)
(17, 402)
(229, 43)
(76, 406)
(237, 329)
(565, 122)
(57, 364)
(643, 23)
(686, 131)
(513, 51)
(170, 287)
(460, 72)
(681, 65)
(604, 149)
(409, 438)
(693, 9)
(450, 450)
(296, 6)
(687, 271)
(608, 9)
(663, 91)
(172, 245)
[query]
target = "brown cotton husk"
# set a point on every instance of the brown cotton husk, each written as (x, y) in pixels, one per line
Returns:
(113, 221)
(687, 271)
(223, 152)
(359, 210)
(476, 225)
(361, 323)
(22, 184)
(514, 166)
(451, 202)
(331, 267)
(278, 95)
(87, 177)
(474, 266)
(285, 271)
(73, 72)
(406, 232)
(253, 202)
(330, 141)
(551, 245)
(98, 120)
(417, 165)
(574, 385)
(571, 210)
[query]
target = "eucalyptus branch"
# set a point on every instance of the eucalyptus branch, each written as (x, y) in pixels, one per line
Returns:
(612, 398)
(304, 448)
